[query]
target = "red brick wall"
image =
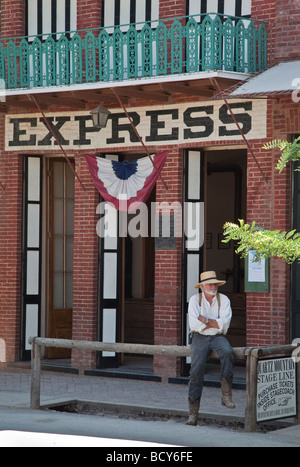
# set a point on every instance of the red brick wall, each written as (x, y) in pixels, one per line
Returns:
(10, 249)
(85, 264)
(258, 210)
(88, 14)
(266, 11)
(12, 18)
(173, 9)
(270, 205)
(268, 315)
(287, 30)
(167, 305)
(263, 11)
(283, 18)
(12, 24)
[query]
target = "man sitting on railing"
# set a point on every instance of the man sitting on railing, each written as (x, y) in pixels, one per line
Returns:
(209, 319)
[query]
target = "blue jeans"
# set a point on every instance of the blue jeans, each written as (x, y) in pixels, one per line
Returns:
(200, 348)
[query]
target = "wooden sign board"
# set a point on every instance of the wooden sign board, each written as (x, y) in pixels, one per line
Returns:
(276, 389)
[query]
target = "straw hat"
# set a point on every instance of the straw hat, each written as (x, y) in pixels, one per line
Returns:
(209, 277)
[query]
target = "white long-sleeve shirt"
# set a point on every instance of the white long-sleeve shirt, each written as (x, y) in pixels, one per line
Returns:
(210, 312)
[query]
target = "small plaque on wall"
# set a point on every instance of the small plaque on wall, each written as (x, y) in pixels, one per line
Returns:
(166, 238)
(256, 273)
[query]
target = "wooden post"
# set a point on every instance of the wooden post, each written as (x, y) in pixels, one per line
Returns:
(146, 349)
(35, 399)
(166, 350)
(251, 390)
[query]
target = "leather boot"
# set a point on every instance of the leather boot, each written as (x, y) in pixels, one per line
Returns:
(226, 387)
(193, 412)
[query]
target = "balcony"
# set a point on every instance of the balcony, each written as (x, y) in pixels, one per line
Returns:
(177, 46)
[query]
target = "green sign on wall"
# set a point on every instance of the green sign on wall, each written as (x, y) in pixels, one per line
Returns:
(256, 274)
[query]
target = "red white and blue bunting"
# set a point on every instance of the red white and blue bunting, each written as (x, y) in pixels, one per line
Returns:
(125, 184)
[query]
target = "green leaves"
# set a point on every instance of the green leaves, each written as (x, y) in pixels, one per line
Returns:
(266, 243)
(290, 151)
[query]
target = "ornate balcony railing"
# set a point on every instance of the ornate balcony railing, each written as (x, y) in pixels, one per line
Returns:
(130, 52)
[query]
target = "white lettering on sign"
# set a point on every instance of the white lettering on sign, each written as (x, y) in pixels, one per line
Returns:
(276, 389)
(168, 124)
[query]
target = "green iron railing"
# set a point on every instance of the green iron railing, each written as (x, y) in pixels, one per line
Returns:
(173, 46)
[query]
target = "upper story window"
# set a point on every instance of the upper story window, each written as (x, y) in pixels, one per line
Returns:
(240, 8)
(124, 12)
(50, 16)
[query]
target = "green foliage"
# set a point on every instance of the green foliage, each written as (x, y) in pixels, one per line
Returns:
(290, 152)
(266, 243)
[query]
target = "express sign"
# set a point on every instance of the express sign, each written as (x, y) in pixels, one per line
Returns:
(173, 124)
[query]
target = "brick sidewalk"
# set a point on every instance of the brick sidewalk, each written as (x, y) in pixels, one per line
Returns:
(15, 388)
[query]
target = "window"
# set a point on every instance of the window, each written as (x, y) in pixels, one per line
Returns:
(118, 12)
(240, 8)
(50, 16)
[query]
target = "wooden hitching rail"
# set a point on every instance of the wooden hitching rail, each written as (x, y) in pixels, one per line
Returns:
(252, 355)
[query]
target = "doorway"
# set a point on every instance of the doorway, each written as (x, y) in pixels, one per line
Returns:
(60, 208)
(47, 270)
(217, 181)
(225, 201)
(126, 282)
(138, 270)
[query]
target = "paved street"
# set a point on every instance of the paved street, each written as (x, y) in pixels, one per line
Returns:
(111, 430)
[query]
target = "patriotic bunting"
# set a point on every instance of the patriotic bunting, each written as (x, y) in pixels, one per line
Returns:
(128, 182)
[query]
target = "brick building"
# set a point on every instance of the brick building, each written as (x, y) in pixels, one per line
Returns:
(167, 61)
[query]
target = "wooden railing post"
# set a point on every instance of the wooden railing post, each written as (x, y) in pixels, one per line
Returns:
(251, 389)
(35, 399)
